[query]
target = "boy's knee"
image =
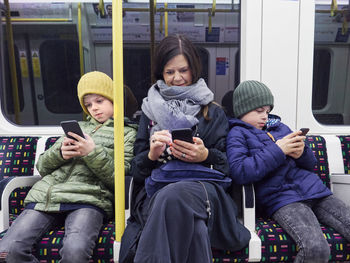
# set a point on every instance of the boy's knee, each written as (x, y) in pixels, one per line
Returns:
(74, 251)
(316, 251)
(12, 253)
(3, 256)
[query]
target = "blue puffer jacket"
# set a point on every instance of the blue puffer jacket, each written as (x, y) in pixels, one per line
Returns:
(278, 179)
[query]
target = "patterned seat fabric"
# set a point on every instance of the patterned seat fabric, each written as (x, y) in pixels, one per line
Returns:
(277, 245)
(47, 249)
(17, 157)
(345, 146)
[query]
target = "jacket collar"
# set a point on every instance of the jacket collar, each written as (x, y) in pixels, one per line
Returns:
(273, 120)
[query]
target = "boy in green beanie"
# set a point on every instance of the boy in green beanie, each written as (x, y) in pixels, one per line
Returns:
(77, 187)
(276, 160)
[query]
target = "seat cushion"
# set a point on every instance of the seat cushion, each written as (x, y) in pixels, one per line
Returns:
(318, 145)
(278, 246)
(345, 146)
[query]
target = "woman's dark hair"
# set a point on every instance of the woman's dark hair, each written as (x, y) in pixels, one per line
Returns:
(172, 46)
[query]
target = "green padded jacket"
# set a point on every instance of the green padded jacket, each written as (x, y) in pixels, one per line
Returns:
(82, 180)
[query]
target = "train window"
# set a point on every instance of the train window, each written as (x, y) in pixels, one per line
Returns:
(322, 63)
(137, 72)
(48, 63)
(60, 74)
(330, 94)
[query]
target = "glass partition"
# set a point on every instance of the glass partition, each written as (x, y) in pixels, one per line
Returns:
(331, 92)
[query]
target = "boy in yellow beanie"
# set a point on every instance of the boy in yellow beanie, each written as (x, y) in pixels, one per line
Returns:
(78, 181)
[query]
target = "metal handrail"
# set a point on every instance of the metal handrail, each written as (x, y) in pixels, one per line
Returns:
(13, 70)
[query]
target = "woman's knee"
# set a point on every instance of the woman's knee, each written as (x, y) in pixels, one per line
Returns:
(175, 195)
(172, 194)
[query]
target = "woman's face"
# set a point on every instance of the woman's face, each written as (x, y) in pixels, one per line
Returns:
(177, 72)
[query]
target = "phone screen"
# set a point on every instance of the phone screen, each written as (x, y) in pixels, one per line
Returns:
(304, 131)
(72, 126)
(182, 134)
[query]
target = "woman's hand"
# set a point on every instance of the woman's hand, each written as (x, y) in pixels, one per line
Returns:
(292, 144)
(71, 148)
(158, 142)
(190, 152)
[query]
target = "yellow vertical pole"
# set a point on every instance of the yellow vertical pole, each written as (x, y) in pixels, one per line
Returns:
(81, 52)
(117, 45)
(152, 4)
(11, 51)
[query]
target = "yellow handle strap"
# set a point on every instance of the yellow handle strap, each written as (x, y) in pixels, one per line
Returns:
(161, 23)
(209, 22)
(101, 8)
(211, 14)
(345, 26)
(166, 19)
(213, 8)
(334, 7)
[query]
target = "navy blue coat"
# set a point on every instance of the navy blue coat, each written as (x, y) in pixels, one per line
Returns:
(278, 179)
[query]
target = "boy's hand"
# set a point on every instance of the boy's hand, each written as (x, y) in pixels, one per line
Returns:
(158, 142)
(292, 144)
(71, 148)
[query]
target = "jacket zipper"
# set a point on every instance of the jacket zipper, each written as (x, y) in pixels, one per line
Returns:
(48, 196)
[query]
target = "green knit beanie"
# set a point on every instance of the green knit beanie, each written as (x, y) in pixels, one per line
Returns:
(250, 95)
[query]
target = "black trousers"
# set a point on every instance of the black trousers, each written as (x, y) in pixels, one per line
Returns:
(176, 227)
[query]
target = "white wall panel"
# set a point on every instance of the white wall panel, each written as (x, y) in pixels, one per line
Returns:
(280, 33)
(251, 39)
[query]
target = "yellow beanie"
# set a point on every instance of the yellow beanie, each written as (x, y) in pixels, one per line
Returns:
(95, 82)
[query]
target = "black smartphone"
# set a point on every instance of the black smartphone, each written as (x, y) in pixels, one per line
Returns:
(304, 131)
(184, 134)
(72, 126)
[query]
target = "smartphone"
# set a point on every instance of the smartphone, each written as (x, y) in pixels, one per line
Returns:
(304, 131)
(184, 134)
(72, 126)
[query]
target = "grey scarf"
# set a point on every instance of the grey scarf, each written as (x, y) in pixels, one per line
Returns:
(176, 106)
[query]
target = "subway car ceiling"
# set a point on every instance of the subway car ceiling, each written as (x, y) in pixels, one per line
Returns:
(46, 46)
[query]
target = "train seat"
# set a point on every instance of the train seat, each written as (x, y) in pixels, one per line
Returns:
(345, 145)
(46, 250)
(17, 171)
(277, 245)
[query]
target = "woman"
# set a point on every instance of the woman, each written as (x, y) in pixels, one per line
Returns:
(183, 220)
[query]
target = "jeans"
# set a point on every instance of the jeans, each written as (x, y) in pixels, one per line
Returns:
(82, 227)
(301, 220)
